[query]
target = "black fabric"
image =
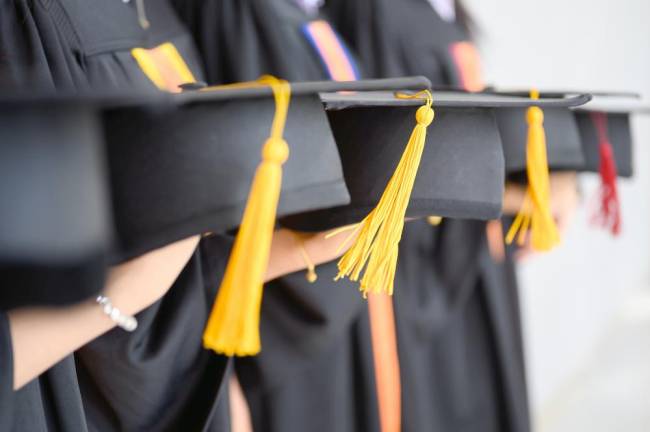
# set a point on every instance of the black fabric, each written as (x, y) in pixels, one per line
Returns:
(52, 402)
(240, 40)
(160, 377)
(71, 45)
(299, 319)
(402, 39)
(502, 300)
(619, 134)
(331, 388)
(54, 284)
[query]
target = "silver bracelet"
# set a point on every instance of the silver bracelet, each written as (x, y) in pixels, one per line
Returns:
(123, 321)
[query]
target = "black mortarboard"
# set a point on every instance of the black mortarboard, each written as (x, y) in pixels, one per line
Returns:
(604, 126)
(616, 109)
(563, 144)
(55, 212)
(185, 167)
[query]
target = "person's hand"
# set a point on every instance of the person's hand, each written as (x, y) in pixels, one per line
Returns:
(564, 202)
(288, 249)
(564, 198)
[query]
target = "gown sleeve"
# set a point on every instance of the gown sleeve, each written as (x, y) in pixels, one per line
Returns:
(160, 377)
(35, 49)
(239, 40)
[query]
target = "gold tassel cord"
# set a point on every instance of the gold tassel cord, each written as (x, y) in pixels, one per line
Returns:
(375, 250)
(535, 212)
(233, 325)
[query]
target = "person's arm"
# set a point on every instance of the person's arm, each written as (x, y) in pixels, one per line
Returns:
(43, 336)
(286, 255)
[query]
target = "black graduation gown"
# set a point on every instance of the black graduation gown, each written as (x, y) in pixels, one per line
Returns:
(158, 378)
(239, 40)
(315, 371)
(458, 328)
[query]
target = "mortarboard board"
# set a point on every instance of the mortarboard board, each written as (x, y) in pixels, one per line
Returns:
(563, 144)
(55, 215)
(461, 172)
(617, 109)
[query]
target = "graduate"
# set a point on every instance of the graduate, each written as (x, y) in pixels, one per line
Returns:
(458, 321)
(69, 48)
(58, 370)
(316, 369)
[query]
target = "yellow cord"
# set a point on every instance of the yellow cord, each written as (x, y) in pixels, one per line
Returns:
(311, 275)
(233, 325)
(375, 250)
(535, 212)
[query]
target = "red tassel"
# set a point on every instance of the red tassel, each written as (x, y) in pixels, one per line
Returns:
(610, 212)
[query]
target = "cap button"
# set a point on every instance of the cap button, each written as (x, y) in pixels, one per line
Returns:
(534, 115)
(275, 150)
(424, 115)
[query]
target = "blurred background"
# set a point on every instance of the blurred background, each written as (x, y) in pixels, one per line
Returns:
(587, 305)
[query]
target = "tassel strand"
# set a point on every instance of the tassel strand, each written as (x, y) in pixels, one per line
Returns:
(375, 251)
(233, 325)
(609, 214)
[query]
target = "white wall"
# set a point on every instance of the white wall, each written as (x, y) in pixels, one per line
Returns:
(570, 296)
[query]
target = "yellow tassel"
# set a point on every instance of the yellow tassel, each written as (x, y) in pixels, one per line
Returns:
(535, 211)
(233, 325)
(376, 247)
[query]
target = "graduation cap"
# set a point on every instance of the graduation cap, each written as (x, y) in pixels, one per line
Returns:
(56, 227)
(563, 144)
(535, 139)
(604, 126)
(461, 172)
(184, 165)
(616, 109)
